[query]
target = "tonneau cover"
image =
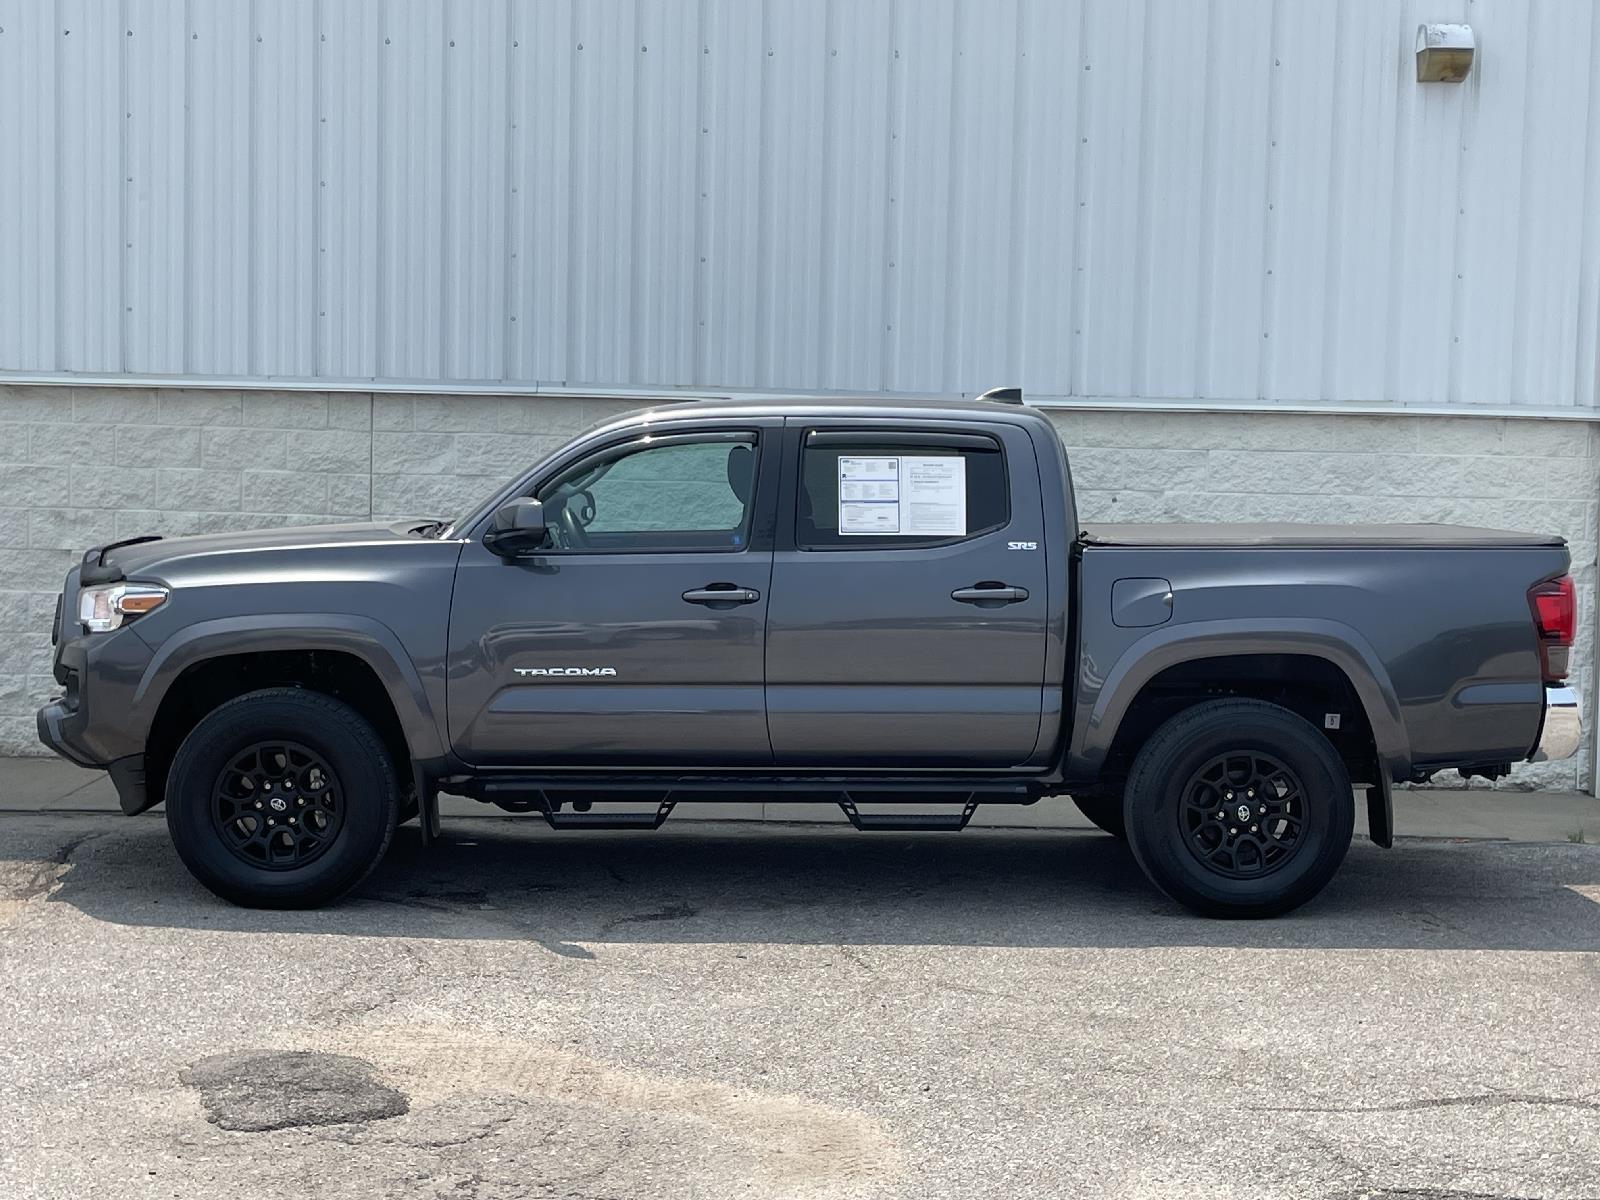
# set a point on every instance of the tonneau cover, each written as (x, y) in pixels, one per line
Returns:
(1288, 536)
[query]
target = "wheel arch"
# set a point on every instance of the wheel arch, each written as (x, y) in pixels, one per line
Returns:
(354, 658)
(1234, 651)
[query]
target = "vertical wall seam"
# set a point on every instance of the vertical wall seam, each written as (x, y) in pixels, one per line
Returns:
(448, 149)
(1399, 177)
(1519, 316)
(1270, 199)
(894, 114)
(1333, 264)
(826, 206)
(58, 47)
(1139, 335)
(700, 357)
(511, 188)
(636, 206)
(125, 210)
(252, 352)
(575, 321)
(319, 198)
(380, 270)
(1205, 264)
(185, 335)
(1586, 367)
(1466, 139)
(1077, 373)
(1021, 176)
(955, 199)
(765, 274)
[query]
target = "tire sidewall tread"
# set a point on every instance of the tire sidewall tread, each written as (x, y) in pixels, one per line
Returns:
(1183, 744)
(349, 745)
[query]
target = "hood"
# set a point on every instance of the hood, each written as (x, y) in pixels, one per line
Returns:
(135, 556)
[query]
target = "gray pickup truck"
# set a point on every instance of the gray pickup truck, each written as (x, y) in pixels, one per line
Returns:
(887, 605)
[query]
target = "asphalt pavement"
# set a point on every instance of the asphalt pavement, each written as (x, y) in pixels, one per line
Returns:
(727, 1010)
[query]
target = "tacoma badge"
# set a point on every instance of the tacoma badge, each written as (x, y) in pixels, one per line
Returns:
(565, 670)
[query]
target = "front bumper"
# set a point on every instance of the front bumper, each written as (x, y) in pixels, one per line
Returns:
(127, 773)
(1563, 725)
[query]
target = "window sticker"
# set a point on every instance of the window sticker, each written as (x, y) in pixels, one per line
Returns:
(869, 495)
(913, 496)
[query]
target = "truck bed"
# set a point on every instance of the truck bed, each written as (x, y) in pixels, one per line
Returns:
(1286, 536)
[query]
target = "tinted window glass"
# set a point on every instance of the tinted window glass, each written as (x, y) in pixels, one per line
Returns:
(898, 494)
(679, 496)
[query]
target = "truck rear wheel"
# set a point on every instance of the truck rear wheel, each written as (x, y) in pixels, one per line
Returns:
(1239, 808)
(281, 798)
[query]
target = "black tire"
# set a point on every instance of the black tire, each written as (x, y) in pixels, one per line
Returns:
(346, 780)
(1268, 864)
(1105, 811)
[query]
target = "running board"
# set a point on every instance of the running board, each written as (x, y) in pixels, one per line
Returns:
(607, 820)
(514, 797)
(909, 822)
(522, 795)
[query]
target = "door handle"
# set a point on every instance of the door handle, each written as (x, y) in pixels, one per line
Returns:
(722, 593)
(990, 593)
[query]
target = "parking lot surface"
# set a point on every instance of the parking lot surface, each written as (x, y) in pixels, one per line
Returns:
(750, 1011)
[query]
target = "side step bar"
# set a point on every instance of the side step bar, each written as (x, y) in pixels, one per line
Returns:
(607, 820)
(523, 795)
(515, 798)
(908, 822)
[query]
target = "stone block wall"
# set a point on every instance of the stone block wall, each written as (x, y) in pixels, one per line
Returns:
(85, 465)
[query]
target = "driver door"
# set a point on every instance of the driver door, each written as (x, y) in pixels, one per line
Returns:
(636, 637)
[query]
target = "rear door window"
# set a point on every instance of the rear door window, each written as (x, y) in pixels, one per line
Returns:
(860, 490)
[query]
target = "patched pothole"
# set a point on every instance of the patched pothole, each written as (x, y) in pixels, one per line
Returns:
(260, 1090)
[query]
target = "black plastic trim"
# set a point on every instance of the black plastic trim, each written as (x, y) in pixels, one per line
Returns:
(95, 569)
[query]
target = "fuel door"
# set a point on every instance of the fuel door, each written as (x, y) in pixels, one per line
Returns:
(1137, 603)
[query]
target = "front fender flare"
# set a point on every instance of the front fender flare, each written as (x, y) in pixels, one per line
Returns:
(370, 640)
(1333, 641)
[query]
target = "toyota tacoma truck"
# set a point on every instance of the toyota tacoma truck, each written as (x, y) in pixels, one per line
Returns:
(889, 605)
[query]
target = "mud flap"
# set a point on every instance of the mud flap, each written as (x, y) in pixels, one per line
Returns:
(1380, 814)
(427, 807)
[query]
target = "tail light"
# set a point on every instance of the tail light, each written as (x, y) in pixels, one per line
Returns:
(1555, 620)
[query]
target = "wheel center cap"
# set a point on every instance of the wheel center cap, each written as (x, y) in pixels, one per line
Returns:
(278, 803)
(1242, 812)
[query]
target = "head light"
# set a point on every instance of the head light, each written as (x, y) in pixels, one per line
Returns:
(102, 609)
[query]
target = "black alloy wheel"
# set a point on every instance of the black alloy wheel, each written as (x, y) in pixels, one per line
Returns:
(282, 798)
(278, 805)
(1239, 808)
(1244, 814)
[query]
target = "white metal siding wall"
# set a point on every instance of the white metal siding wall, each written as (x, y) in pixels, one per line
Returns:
(1239, 199)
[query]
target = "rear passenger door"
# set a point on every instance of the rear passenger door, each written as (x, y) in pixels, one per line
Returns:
(906, 625)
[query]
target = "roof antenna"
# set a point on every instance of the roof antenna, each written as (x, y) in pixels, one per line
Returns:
(1003, 395)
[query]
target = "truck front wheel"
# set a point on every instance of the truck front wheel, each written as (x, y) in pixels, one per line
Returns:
(281, 798)
(1239, 808)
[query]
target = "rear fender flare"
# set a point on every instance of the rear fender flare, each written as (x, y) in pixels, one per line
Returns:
(1333, 641)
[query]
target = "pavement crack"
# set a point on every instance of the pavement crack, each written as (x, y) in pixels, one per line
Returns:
(1478, 1100)
(44, 876)
(1423, 1193)
(63, 856)
(667, 912)
(388, 993)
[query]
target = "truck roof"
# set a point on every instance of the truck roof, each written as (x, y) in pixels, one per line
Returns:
(835, 405)
(1290, 536)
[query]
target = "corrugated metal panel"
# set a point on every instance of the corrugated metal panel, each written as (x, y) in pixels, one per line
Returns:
(91, 187)
(219, 235)
(349, 57)
(1234, 200)
(29, 162)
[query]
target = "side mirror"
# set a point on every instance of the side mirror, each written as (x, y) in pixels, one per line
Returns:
(518, 528)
